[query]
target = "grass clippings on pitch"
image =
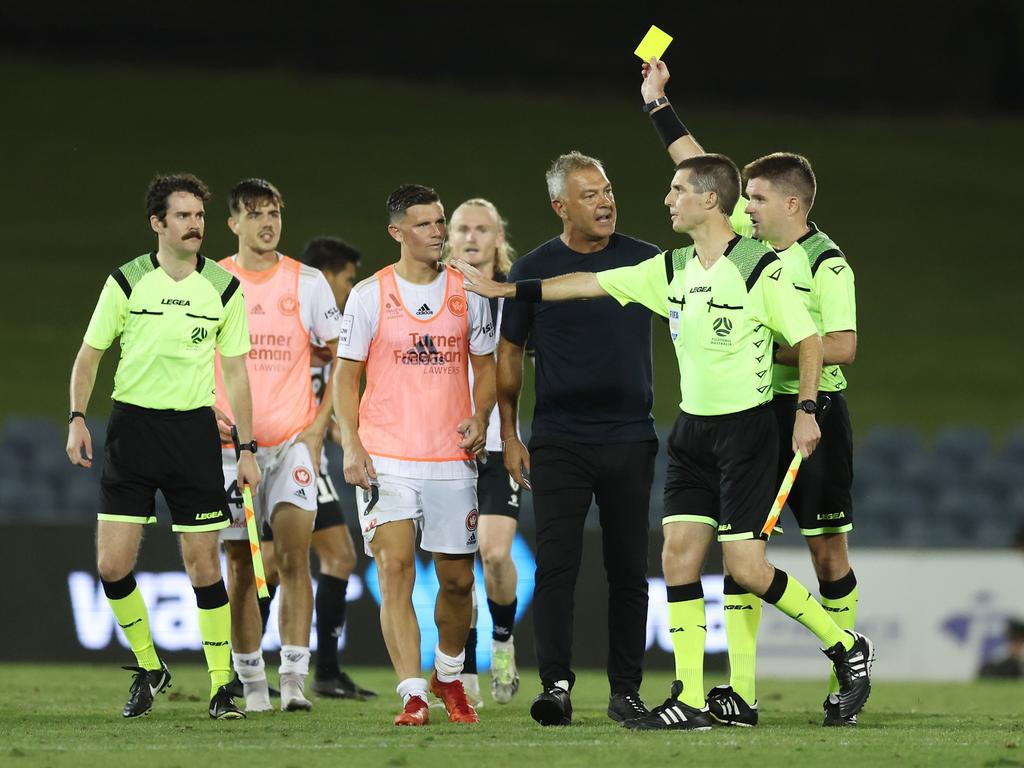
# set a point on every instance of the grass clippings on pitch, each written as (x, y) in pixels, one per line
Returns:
(64, 715)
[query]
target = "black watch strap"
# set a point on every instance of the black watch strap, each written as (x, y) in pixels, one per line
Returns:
(650, 106)
(250, 447)
(807, 406)
(74, 415)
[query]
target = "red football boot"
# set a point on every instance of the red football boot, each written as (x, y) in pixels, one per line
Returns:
(415, 712)
(454, 697)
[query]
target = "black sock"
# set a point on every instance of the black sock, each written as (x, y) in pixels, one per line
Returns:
(469, 664)
(265, 606)
(504, 618)
(330, 620)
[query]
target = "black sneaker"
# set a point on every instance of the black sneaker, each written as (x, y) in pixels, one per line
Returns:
(728, 707)
(237, 690)
(552, 707)
(853, 670)
(832, 717)
(146, 684)
(341, 686)
(223, 707)
(673, 715)
(626, 706)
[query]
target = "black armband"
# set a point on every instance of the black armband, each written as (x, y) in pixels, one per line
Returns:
(668, 125)
(528, 290)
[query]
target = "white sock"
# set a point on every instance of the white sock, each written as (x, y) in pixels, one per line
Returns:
(412, 686)
(294, 660)
(448, 668)
(249, 666)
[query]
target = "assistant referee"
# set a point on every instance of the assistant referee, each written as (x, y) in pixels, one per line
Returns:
(171, 308)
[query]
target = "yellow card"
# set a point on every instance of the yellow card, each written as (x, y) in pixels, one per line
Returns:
(654, 44)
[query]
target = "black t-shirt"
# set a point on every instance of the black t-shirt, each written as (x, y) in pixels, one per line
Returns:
(593, 357)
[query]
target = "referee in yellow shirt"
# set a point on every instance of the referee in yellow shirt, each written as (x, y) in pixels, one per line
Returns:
(171, 308)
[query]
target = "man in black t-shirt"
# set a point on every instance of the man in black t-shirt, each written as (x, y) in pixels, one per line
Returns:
(593, 436)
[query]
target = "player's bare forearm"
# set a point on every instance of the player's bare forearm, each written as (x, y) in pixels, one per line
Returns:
(576, 285)
(838, 348)
(83, 376)
(347, 377)
(483, 385)
(509, 383)
(236, 381)
(809, 361)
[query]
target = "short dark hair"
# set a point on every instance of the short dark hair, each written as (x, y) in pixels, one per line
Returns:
(715, 173)
(787, 170)
(408, 195)
(251, 193)
(164, 185)
(329, 254)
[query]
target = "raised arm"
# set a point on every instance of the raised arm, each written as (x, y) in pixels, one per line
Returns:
(577, 285)
(677, 139)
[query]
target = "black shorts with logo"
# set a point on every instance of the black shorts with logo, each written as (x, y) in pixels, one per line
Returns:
(721, 471)
(177, 452)
(821, 498)
(328, 508)
(497, 493)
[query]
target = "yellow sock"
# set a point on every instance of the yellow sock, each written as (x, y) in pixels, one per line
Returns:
(742, 619)
(133, 618)
(688, 629)
(215, 631)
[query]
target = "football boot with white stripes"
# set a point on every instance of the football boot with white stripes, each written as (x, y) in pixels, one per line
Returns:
(832, 716)
(728, 707)
(853, 670)
(673, 715)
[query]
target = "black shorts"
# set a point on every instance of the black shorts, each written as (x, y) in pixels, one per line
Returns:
(177, 452)
(821, 499)
(497, 493)
(328, 508)
(721, 471)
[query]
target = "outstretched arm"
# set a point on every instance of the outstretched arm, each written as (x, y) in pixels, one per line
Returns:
(678, 141)
(577, 285)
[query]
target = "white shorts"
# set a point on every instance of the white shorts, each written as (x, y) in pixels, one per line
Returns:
(288, 477)
(444, 510)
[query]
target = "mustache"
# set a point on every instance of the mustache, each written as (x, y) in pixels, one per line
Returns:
(193, 235)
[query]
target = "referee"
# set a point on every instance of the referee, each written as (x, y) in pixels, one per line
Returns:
(724, 297)
(593, 436)
(781, 188)
(170, 308)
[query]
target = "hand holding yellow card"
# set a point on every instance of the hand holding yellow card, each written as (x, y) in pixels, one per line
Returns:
(654, 44)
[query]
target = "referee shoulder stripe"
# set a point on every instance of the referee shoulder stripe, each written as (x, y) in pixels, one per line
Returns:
(767, 260)
(233, 286)
(831, 253)
(122, 281)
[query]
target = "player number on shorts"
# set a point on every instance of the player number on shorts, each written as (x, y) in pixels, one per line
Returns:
(325, 490)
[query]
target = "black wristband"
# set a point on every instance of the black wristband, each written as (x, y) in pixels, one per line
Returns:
(528, 290)
(668, 125)
(74, 415)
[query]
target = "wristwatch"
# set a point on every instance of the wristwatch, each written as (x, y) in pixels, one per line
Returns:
(74, 415)
(650, 106)
(807, 406)
(250, 447)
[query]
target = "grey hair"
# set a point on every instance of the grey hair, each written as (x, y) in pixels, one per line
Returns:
(565, 164)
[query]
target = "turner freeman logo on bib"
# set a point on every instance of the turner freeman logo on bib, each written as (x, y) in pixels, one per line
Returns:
(302, 476)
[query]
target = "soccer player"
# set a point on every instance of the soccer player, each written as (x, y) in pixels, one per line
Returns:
(724, 297)
(171, 309)
(780, 192)
(410, 442)
(477, 236)
(593, 437)
(287, 304)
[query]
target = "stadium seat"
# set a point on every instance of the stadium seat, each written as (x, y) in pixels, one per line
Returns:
(964, 446)
(891, 445)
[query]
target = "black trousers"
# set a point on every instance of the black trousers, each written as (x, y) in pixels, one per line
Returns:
(565, 477)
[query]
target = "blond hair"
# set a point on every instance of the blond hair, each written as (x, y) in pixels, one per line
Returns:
(505, 253)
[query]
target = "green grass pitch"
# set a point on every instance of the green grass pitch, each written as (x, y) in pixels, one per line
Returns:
(64, 715)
